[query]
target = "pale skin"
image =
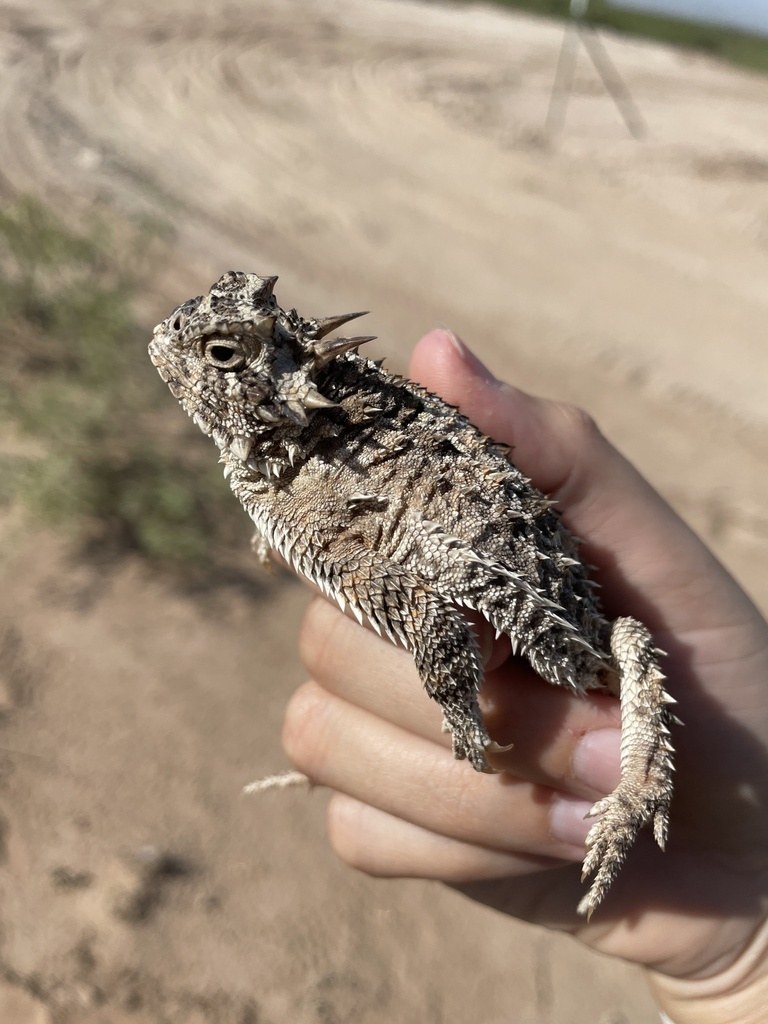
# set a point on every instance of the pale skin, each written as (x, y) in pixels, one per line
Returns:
(695, 915)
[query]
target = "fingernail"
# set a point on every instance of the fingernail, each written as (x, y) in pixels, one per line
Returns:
(568, 819)
(467, 355)
(597, 760)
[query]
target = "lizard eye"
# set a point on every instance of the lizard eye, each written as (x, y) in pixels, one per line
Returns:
(224, 356)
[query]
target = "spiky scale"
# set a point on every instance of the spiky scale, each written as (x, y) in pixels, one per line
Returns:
(331, 348)
(323, 325)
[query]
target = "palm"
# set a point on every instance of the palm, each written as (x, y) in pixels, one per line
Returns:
(669, 909)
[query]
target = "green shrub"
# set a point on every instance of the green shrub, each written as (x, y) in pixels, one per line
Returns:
(75, 380)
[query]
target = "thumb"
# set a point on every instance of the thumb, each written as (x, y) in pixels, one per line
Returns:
(544, 434)
(646, 553)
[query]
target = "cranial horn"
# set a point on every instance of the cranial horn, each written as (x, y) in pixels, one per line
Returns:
(295, 411)
(267, 286)
(314, 400)
(327, 350)
(325, 324)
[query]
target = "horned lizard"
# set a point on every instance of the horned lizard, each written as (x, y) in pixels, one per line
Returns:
(393, 504)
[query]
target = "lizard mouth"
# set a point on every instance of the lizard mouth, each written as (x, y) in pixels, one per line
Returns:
(156, 356)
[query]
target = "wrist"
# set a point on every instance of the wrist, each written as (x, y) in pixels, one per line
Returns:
(739, 993)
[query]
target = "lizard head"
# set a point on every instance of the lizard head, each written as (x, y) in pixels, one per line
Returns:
(240, 365)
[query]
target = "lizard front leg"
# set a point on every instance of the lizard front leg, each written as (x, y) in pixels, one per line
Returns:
(406, 608)
(261, 547)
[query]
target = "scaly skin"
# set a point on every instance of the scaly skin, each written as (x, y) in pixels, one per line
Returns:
(391, 502)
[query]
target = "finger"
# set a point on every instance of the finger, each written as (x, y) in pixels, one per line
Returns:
(541, 889)
(354, 663)
(646, 553)
(558, 739)
(554, 738)
(380, 844)
(341, 746)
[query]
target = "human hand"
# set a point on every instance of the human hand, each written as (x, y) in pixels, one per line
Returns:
(405, 807)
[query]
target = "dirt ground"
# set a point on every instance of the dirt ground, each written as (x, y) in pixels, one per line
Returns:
(384, 155)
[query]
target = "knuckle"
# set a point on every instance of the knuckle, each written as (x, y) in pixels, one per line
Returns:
(464, 804)
(315, 633)
(303, 727)
(345, 837)
(578, 423)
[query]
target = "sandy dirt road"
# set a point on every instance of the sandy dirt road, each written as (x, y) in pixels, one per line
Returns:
(386, 155)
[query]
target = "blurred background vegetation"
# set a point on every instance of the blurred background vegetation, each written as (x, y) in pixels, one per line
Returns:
(90, 440)
(729, 44)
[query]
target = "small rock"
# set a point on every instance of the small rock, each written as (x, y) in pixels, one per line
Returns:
(133, 891)
(137, 882)
(63, 877)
